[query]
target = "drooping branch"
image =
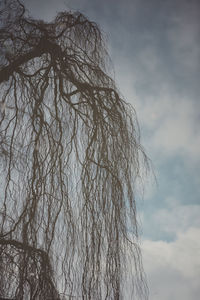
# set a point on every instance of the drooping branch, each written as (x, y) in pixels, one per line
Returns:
(70, 156)
(44, 46)
(33, 257)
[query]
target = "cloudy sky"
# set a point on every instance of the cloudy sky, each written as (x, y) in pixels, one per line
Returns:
(155, 49)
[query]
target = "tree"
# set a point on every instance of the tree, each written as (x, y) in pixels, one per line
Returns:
(70, 155)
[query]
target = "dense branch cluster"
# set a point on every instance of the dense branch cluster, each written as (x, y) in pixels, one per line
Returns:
(69, 157)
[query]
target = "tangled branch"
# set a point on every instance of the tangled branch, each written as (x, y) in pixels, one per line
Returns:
(70, 154)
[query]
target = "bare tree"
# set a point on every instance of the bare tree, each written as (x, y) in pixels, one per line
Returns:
(70, 155)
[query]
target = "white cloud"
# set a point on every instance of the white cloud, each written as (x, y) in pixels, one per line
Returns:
(169, 120)
(173, 269)
(178, 218)
(170, 221)
(172, 125)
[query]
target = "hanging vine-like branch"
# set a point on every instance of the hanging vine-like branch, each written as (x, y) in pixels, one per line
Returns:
(69, 156)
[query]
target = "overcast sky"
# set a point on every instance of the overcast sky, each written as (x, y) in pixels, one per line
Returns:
(155, 49)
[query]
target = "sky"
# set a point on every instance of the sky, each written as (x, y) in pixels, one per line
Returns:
(155, 49)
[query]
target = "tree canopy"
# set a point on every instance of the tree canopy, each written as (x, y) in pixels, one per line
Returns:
(70, 155)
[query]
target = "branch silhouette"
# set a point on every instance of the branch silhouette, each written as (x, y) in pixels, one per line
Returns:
(70, 155)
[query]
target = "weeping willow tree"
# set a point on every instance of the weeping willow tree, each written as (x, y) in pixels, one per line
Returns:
(69, 158)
